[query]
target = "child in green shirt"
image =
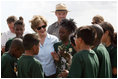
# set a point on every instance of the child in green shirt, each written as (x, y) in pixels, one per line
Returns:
(109, 39)
(85, 63)
(9, 59)
(102, 53)
(64, 49)
(28, 66)
(19, 28)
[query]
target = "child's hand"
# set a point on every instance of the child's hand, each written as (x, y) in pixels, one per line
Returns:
(64, 74)
(114, 70)
(55, 56)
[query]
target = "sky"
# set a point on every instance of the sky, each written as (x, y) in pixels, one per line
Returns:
(81, 11)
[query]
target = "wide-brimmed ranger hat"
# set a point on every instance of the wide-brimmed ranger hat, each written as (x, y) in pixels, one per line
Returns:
(61, 7)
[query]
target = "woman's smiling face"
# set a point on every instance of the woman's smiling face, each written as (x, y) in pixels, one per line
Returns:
(42, 29)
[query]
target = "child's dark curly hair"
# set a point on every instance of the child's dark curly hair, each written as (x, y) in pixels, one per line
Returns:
(69, 24)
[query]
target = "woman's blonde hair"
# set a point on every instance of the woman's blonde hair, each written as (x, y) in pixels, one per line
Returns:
(36, 20)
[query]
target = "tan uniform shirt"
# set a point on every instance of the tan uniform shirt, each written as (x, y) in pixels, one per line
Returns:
(54, 29)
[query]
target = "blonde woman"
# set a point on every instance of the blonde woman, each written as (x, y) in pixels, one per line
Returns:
(39, 24)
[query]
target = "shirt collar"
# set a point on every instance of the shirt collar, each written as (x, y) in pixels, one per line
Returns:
(48, 36)
(57, 24)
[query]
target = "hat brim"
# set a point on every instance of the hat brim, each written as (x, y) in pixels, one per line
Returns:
(60, 10)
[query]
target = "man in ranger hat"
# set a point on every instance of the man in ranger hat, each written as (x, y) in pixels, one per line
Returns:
(61, 13)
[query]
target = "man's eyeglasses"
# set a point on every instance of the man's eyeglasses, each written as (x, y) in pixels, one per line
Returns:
(39, 28)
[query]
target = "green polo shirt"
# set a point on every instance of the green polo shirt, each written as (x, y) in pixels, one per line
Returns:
(105, 70)
(8, 44)
(8, 63)
(29, 67)
(113, 55)
(85, 64)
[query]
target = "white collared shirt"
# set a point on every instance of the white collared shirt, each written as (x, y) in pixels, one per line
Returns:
(45, 57)
(6, 36)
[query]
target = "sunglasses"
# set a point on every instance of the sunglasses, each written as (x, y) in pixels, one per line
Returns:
(39, 28)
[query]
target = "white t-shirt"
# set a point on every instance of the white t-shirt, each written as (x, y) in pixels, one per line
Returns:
(6, 36)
